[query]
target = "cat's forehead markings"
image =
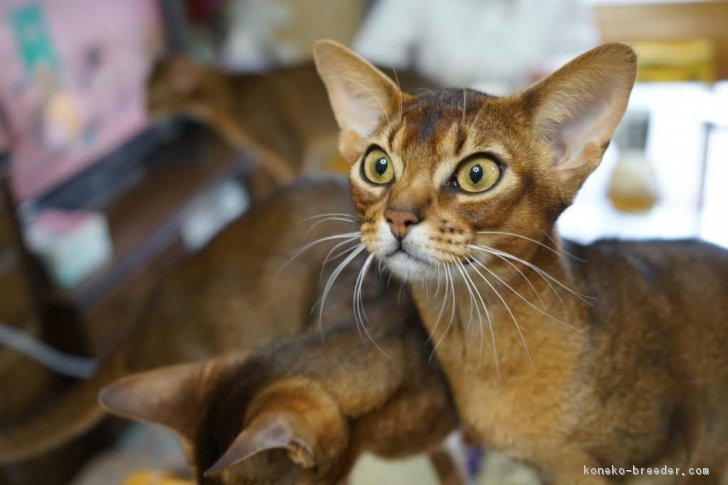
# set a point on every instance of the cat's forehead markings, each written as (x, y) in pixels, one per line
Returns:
(394, 130)
(394, 135)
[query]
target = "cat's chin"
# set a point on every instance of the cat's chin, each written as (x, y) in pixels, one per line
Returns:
(409, 268)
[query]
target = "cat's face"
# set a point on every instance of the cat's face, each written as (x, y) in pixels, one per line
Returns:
(455, 177)
(434, 180)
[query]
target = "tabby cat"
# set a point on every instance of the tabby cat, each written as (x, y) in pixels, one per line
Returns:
(302, 411)
(568, 357)
(280, 117)
(565, 356)
(243, 292)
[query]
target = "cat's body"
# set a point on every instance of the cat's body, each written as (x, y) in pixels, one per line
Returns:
(281, 117)
(302, 411)
(240, 293)
(253, 112)
(616, 355)
(639, 379)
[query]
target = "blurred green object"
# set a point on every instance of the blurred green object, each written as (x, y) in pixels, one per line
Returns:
(33, 39)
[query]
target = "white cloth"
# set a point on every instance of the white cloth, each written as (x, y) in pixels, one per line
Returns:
(492, 43)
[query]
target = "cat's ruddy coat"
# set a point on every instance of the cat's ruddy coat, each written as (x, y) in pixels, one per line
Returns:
(560, 355)
(243, 292)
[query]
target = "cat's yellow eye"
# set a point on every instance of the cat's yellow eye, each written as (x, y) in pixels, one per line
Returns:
(478, 175)
(377, 168)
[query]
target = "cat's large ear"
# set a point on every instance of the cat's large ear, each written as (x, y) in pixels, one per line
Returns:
(577, 109)
(361, 96)
(292, 414)
(171, 396)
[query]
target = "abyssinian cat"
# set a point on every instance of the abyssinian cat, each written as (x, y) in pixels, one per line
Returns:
(243, 292)
(568, 357)
(565, 356)
(303, 410)
(249, 111)
(281, 117)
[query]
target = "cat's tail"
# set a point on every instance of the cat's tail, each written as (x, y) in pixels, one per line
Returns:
(278, 167)
(61, 420)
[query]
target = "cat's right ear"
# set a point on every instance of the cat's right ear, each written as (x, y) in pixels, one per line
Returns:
(576, 110)
(361, 96)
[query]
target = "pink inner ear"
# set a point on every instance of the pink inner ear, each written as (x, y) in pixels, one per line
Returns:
(360, 95)
(580, 106)
(578, 134)
(266, 432)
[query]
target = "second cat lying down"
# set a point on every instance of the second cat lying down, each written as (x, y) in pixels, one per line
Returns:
(301, 412)
(281, 117)
(241, 292)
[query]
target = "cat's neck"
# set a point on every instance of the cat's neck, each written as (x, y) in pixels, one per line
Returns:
(500, 319)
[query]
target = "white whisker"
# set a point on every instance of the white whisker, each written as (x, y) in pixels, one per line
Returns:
(328, 219)
(513, 317)
(359, 313)
(584, 298)
(448, 276)
(536, 269)
(329, 214)
(332, 278)
(484, 306)
(339, 254)
(528, 280)
(442, 305)
(399, 93)
(513, 234)
(465, 92)
(477, 115)
(490, 322)
(542, 312)
(306, 247)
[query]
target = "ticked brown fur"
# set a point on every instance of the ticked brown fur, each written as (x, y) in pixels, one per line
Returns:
(302, 411)
(245, 291)
(561, 355)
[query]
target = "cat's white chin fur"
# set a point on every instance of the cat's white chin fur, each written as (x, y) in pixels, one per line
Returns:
(407, 268)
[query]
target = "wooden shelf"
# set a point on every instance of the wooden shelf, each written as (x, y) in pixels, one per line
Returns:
(145, 219)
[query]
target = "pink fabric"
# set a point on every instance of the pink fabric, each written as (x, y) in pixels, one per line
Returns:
(64, 120)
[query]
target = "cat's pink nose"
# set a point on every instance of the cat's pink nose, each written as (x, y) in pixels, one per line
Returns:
(400, 221)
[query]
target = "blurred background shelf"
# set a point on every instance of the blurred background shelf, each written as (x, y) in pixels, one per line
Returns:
(145, 218)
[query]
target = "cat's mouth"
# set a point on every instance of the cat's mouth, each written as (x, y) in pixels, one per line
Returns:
(403, 253)
(409, 266)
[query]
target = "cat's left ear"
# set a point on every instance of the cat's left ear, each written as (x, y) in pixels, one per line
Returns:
(577, 109)
(171, 396)
(361, 95)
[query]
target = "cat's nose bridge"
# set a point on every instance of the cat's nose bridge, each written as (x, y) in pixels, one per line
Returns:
(410, 191)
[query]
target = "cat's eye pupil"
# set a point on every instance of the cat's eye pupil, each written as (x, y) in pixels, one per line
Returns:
(476, 173)
(381, 166)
